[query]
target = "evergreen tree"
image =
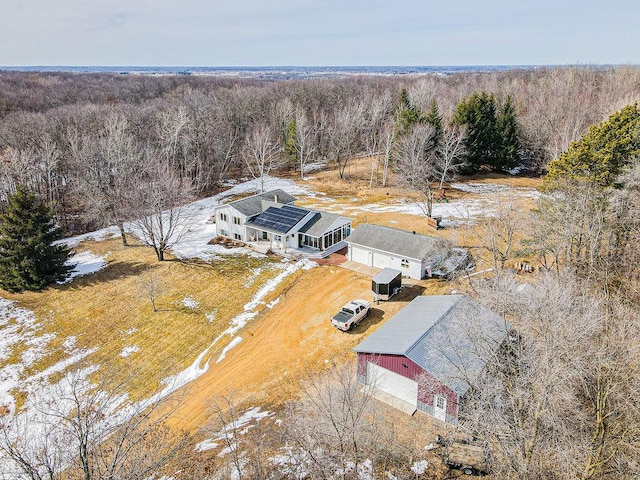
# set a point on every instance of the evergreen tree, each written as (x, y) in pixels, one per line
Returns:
(28, 258)
(599, 156)
(507, 125)
(434, 119)
(482, 142)
(407, 115)
(290, 141)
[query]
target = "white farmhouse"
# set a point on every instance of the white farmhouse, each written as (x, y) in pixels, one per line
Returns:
(272, 219)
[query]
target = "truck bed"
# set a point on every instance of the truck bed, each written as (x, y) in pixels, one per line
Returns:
(342, 317)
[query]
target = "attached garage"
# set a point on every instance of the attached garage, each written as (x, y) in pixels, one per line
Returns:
(392, 383)
(360, 255)
(381, 260)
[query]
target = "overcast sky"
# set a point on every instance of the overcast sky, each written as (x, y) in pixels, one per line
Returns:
(318, 32)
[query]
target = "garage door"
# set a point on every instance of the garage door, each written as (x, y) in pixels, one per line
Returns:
(392, 383)
(361, 256)
(380, 260)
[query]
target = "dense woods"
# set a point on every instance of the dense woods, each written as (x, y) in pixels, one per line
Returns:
(83, 141)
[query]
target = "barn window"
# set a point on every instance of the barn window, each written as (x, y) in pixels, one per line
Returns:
(439, 402)
(405, 365)
(404, 263)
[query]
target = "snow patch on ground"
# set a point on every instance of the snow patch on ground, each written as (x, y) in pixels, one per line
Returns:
(493, 197)
(85, 263)
(254, 275)
(225, 350)
(190, 303)
(126, 351)
(420, 467)
(228, 434)
(98, 235)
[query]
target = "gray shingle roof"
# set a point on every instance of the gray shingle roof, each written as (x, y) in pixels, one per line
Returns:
(449, 336)
(319, 224)
(252, 205)
(398, 242)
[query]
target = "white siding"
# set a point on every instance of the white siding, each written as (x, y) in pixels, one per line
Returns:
(409, 267)
(392, 383)
(228, 225)
(381, 260)
(360, 255)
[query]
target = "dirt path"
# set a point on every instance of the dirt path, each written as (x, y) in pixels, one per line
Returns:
(294, 337)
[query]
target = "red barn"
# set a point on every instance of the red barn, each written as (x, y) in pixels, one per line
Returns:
(428, 352)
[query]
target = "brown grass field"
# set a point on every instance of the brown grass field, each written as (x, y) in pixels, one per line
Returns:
(109, 311)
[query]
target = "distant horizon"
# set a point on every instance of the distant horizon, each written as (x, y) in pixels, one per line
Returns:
(451, 65)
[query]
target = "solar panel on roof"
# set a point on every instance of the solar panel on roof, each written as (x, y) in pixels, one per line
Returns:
(280, 219)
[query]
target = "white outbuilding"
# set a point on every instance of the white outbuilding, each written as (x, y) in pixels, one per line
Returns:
(415, 255)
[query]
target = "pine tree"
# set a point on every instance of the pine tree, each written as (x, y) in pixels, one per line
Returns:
(29, 260)
(435, 120)
(482, 142)
(507, 125)
(290, 141)
(600, 156)
(407, 115)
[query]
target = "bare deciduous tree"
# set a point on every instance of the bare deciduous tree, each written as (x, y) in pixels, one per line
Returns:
(87, 431)
(450, 152)
(416, 163)
(261, 153)
(158, 205)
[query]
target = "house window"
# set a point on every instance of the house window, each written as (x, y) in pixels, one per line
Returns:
(224, 233)
(237, 220)
(237, 236)
(224, 217)
(404, 263)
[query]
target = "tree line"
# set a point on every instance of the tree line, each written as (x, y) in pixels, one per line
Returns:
(74, 139)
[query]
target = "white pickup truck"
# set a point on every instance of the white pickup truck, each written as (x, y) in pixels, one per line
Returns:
(351, 314)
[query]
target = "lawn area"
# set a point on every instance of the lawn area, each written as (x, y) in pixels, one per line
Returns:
(109, 311)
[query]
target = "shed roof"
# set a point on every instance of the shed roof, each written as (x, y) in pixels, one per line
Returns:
(319, 224)
(252, 205)
(398, 242)
(446, 335)
(386, 275)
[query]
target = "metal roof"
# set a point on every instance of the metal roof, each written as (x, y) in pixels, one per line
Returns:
(398, 242)
(279, 219)
(320, 223)
(386, 275)
(252, 205)
(448, 336)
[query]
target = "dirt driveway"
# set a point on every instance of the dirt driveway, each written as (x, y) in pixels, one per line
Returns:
(293, 338)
